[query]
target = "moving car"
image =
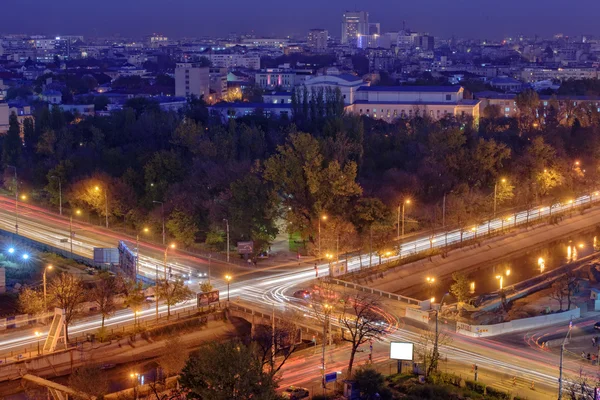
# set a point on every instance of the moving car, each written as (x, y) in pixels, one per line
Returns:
(295, 393)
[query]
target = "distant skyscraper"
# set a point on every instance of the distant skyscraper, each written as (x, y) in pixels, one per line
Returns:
(354, 24)
(374, 28)
(317, 39)
(191, 79)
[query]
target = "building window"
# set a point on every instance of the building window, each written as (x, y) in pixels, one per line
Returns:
(360, 111)
(448, 97)
(431, 113)
(507, 109)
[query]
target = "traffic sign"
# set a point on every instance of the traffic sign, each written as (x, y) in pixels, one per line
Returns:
(331, 377)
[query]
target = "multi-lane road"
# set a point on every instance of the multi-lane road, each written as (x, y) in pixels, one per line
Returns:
(267, 287)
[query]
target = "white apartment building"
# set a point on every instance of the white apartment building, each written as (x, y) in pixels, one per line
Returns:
(392, 102)
(286, 79)
(191, 79)
(224, 60)
(541, 74)
(317, 39)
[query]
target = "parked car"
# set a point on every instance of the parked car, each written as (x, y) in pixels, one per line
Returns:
(295, 393)
(597, 325)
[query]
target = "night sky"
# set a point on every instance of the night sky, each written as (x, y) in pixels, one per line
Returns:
(177, 18)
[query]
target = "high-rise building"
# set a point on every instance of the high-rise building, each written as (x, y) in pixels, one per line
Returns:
(191, 79)
(317, 39)
(425, 42)
(354, 24)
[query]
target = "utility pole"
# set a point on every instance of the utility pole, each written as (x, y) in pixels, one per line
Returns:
(444, 212)
(106, 206)
(327, 309)
(560, 370)
(273, 339)
(227, 225)
(436, 353)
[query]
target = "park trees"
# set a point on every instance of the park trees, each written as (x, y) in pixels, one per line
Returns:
(66, 291)
(173, 292)
(227, 371)
(359, 317)
(103, 294)
(308, 184)
(31, 301)
(461, 287)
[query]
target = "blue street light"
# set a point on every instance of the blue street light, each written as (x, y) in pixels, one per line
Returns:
(11, 250)
(25, 256)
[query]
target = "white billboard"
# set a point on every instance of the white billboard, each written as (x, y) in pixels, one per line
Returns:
(401, 351)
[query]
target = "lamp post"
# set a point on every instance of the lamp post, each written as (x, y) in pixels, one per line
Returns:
(137, 253)
(78, 212)
(38, 335)
(16, 199)
(59, 193)
(560, 370)
(404, 203)
(135, 376)
(49, 267)
(227, 227)
(435, 345)
(326, 311)
(97, 189)
(324, 218)
(496, 194)
(228, 279)
(162, 213)
(165, 270)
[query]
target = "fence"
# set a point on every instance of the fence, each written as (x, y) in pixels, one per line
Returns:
(516, 325)
(423, 304)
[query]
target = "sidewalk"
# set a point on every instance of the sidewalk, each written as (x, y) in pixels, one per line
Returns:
(492, 250)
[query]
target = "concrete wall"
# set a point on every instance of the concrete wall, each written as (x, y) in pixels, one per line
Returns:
(417, 315)
(516, 325)
(44, 366)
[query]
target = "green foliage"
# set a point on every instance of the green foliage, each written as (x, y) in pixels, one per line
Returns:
(31, 301)
(496, 394)
(206, 287)
(173, 292)
(370, 383)
(182, 227)
(461, 287)
(11, 143)
(477, 387)
(226, 371)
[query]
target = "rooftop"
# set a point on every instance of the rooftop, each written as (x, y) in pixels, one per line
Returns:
(416, 89)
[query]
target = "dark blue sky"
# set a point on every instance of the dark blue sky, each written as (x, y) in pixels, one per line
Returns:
(482, 18)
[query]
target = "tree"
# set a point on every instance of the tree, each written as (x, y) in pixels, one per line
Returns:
(307, 184)
(461, 287)
(528, 103)
(227, 371)
(182, 227)
(134, 295)
(89, 380)
(558, 292)
(371, 384)
(206, 287)
(372, 220)
(362, 322)
(12, 144)
(173, 292)
(284, 338)
(31, 301)
(103, 294)
(425, 347)
(174, 356)
(66, 291)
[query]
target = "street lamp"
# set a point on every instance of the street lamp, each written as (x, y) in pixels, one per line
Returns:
(37, 335)
(496, 194)
(77, 212)
(16, 199)
(324, 218)
(48, 268)
(560, 370)
(97, 189)
(404, 203)
(162, 213)
(59, 193)
(326, 311)
(435, 345)
(228, 279)
(135, 376)
(137, 252)
(227, 226)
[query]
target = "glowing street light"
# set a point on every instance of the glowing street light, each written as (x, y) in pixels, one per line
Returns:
(430, 279)
(503, 180)
(228, 278)
(401, 208)
(324, 218)
(38, 335)
(541, 264)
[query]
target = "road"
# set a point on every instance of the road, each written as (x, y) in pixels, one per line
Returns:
(270, 286)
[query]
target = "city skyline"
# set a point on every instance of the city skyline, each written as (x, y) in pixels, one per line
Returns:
(265, 18)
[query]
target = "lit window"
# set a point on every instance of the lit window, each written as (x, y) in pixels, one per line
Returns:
(507, 109)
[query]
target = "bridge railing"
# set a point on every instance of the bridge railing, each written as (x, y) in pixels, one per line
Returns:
(422, 304)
